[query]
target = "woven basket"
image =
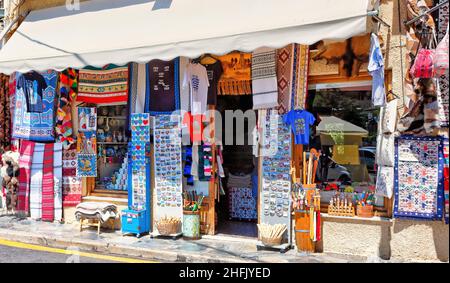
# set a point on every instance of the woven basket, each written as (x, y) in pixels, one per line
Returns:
(271, 241)
(166, 229)
(365, 211)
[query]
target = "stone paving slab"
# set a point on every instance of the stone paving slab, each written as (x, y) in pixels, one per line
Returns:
(166, 250)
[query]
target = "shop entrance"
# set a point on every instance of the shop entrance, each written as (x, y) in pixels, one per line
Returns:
(237, 208)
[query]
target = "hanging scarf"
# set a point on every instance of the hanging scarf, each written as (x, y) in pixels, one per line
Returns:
(285, 61)
(300, 76)
(5, 115)
(67, 94)
(25, 161)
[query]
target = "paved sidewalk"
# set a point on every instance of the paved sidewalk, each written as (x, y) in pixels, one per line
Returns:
(208, 249)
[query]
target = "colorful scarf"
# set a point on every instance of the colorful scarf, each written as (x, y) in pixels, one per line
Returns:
(36, 126)
(300, 76)
(68, 85)
(57, 174)
(25, 161)
(71, 183)
(100, 86)
(418, 182)
(48, 184)
(36, 181)
(284, 75)
(5, 115)
(264, 78)
(236, 78)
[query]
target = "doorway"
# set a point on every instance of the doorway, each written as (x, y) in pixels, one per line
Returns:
(237, 208)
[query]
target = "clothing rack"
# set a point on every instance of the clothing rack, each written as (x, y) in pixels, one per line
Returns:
(413, 20)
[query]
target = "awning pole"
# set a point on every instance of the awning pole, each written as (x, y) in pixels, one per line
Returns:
(374, 14)
(407, 23)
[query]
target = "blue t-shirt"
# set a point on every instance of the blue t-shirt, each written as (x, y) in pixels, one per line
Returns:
(300, 121)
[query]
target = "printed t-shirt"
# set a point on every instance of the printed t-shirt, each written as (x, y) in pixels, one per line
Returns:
(299, 121)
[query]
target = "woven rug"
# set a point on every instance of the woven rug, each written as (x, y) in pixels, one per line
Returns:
(57, 181)
(38, 127)
(48, 184)
(446, 179)
(25, 160)
(284, 76)
(418, 178)
(264, 78)
(300, 76)
(100, 86)
(71, 183)
(36, 181)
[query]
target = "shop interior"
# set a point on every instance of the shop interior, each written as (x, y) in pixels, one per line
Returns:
(237, 210)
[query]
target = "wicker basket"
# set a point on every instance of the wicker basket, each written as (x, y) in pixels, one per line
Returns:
(365, 211)
(271, 241)
(166, 229)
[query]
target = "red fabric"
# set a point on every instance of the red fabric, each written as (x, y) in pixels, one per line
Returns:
(318, 225)
(423, 66)
(48, 185)
(195, 126)
(25, 160)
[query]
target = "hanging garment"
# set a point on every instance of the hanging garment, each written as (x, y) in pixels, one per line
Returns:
(68, 87)
(25, 162)
(36, 126)
(36, 181)
(5, 114)
(385, 181)
(300, 76)
(196, 78)
(418, 182)
(285, 59)
(376, 70)
(214, 73)
(385, 150)
(163, 95)
(33, 86)
(264, 78)
(236, 78)
(299, 121)
(101, 86)
(388, 117)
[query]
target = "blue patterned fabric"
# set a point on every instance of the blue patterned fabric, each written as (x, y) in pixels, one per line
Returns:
(36, 126)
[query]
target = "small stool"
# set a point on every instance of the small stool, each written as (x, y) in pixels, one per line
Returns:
(94, 221)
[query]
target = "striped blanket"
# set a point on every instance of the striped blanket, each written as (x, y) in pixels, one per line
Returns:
(57, 175)
(25, 160)
(71, 183)
(48, 185)
(36, 181)
(100, 86)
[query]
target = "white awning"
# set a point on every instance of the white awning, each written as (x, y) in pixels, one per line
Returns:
(122, 31)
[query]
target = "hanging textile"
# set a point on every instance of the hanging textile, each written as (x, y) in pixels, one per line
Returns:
(35, 126)
(5, 114)
(446, 178)
(68, 87)
(285, 59)
(376, 70)
(87, 142)
(106, 85)
(418, 182)
(385, 181)
(443, 92)
(25, 161)
(71, 183)
(162, 91)
(36, 181)
(236, 78)
(264, 78)
(48, 184)
(300, 76)
(57, 181)
(12, 96)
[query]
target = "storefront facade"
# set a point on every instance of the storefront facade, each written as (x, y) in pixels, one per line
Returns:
(321, 72)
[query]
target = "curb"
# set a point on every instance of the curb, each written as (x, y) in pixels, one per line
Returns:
(87, 245)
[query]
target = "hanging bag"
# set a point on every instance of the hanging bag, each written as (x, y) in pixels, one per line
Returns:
(423, 66)
(441, 56)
